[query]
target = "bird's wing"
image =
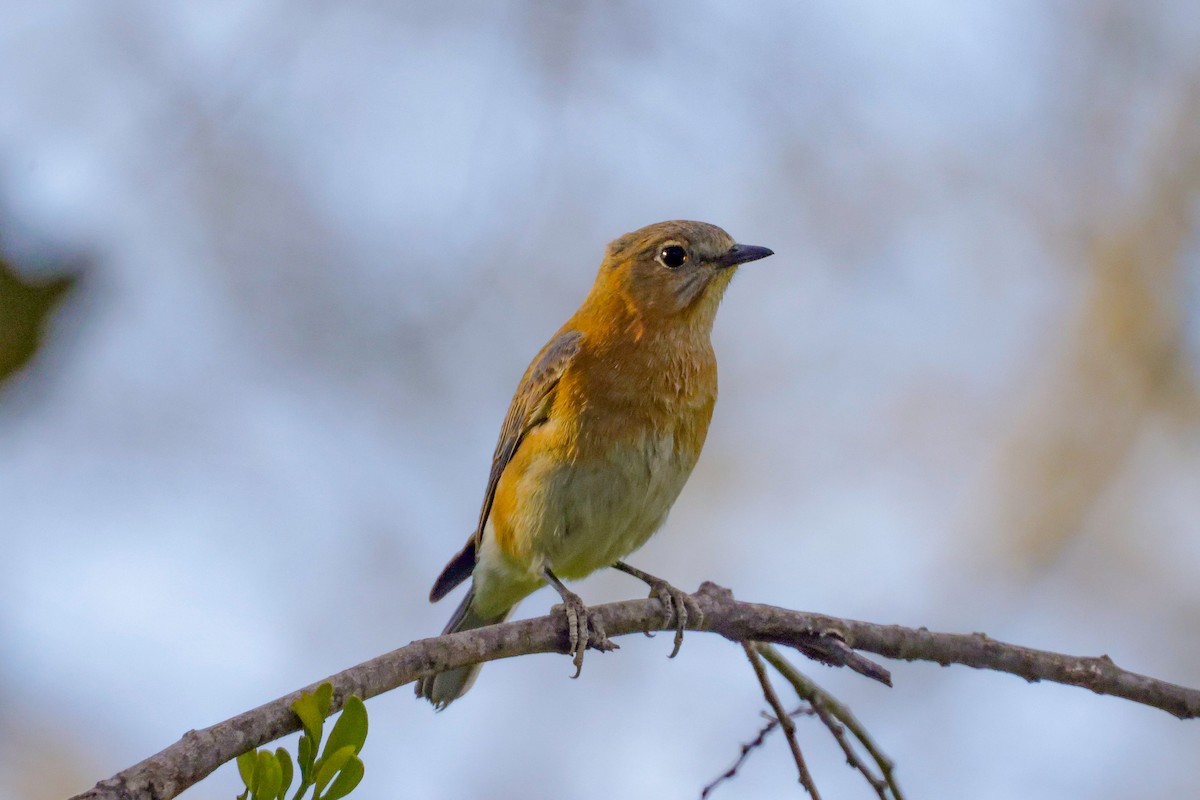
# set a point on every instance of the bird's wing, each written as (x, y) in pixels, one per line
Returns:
(530, 406)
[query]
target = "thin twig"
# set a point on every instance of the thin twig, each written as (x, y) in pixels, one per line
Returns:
(832, 711)
(749, 747)
(785, 721)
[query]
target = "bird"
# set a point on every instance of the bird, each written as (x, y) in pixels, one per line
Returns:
(600, 438)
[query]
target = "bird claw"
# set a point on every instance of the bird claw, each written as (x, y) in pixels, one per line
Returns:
(585, 629)
(678, 606)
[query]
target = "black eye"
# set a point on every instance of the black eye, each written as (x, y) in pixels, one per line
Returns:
(673, 256)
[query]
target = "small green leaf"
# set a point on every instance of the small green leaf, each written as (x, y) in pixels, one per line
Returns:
(307, 708)
(256, 775)
(305, 758)
(285, 767)
(270, 775)
(324, 695)
(245, 765)
(330, 765)
(351, 727)
(346, 780)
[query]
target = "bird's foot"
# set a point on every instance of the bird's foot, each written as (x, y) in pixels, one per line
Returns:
(585, 628)
(678, 606)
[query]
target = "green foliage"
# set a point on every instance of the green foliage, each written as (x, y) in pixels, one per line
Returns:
(332, 775)
(26, 306)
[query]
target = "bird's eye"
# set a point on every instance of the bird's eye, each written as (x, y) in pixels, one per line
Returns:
(673, 256)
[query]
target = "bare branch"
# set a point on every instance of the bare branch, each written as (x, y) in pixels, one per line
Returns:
(198, 753)
(785, 721)
(835, 715)
(749, 747)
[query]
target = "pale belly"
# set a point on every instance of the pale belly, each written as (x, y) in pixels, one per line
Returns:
(604, 511)
(584, 517)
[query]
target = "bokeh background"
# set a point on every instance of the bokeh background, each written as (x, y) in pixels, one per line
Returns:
(294, 256)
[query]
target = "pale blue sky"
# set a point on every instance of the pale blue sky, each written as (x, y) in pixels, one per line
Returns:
(325, 239)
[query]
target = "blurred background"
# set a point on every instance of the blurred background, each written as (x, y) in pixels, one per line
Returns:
(272, 271)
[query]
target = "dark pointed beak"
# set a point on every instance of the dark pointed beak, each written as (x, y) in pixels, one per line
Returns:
(742, 253)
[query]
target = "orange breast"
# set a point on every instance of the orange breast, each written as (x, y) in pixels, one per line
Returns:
(626, 426)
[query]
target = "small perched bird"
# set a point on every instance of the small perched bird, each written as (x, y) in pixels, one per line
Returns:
(603, 431)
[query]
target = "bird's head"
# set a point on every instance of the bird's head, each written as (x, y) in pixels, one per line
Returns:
(673, 271)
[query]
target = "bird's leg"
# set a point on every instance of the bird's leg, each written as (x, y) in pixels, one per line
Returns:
(678, 604)
(584, 629)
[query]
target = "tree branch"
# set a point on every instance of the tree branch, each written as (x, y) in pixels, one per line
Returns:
(199, 753)
(785, 719)
(836, 716)
(749, 747)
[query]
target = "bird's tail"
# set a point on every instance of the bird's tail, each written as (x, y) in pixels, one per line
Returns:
(445, 687)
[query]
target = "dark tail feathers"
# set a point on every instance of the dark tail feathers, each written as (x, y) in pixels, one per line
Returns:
(445, 687)
(457, 571)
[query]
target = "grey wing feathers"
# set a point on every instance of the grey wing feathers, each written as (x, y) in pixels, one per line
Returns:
(540, 379)
(526, 412)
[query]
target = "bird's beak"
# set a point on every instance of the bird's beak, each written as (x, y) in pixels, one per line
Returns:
(742, 253)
